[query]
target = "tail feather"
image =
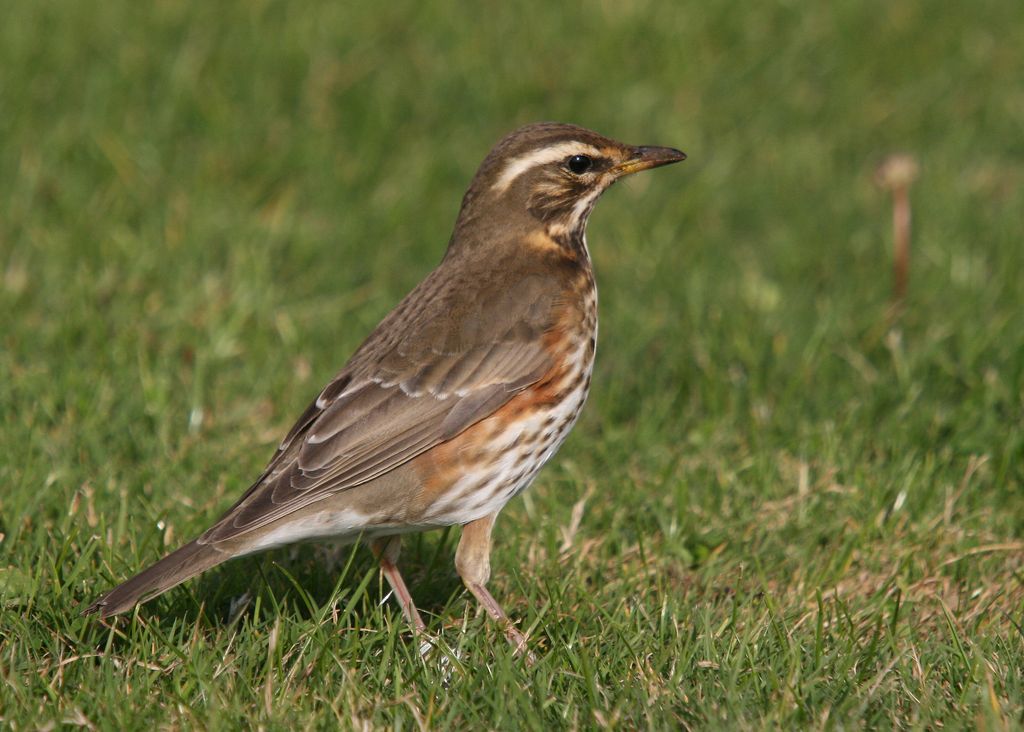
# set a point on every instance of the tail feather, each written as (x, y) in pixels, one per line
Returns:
(169, 572)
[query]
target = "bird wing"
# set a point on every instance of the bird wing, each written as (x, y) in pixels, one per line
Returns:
(440, 362)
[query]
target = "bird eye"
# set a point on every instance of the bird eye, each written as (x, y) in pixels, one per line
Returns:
(579, 164)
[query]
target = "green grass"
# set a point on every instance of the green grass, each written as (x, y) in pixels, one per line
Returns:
(776, 511)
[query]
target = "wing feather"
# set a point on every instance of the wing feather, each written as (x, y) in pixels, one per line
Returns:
(407, 389)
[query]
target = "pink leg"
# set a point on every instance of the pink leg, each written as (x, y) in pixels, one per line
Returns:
(473, 563)
(386, 550)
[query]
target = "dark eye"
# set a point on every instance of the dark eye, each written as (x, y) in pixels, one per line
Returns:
(579, 164)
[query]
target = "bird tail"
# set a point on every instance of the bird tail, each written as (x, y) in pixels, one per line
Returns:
(169, 572)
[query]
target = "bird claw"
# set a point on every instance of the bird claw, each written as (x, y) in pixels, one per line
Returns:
(519, 644)
(426, 646)
(432, 648)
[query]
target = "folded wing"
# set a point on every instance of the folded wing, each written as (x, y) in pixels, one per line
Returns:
(439, 371)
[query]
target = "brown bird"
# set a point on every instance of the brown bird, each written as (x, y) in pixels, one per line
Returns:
(459, 396)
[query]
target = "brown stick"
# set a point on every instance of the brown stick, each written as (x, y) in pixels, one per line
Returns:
(896, 175)
(901, 243)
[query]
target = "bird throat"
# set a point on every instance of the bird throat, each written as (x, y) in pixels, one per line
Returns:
(569, 231)
(568, 243)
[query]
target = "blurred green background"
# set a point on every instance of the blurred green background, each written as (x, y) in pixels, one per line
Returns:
(793, 509)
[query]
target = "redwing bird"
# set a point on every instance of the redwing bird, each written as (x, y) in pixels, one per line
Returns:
(459, 396)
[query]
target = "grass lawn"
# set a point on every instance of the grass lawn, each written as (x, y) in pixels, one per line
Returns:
(782, 507)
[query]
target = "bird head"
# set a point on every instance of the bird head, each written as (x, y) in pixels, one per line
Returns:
(553, 174)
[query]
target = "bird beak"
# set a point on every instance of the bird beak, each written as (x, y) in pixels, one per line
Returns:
(646, 157)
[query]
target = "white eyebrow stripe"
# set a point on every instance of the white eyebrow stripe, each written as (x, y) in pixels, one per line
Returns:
(517, 166)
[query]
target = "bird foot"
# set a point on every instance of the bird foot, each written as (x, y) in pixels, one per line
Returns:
(519, 644)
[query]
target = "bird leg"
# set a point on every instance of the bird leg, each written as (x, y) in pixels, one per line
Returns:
(386, 549)
(473, 563)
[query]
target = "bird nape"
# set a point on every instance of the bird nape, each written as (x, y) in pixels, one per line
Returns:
(459, 396)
